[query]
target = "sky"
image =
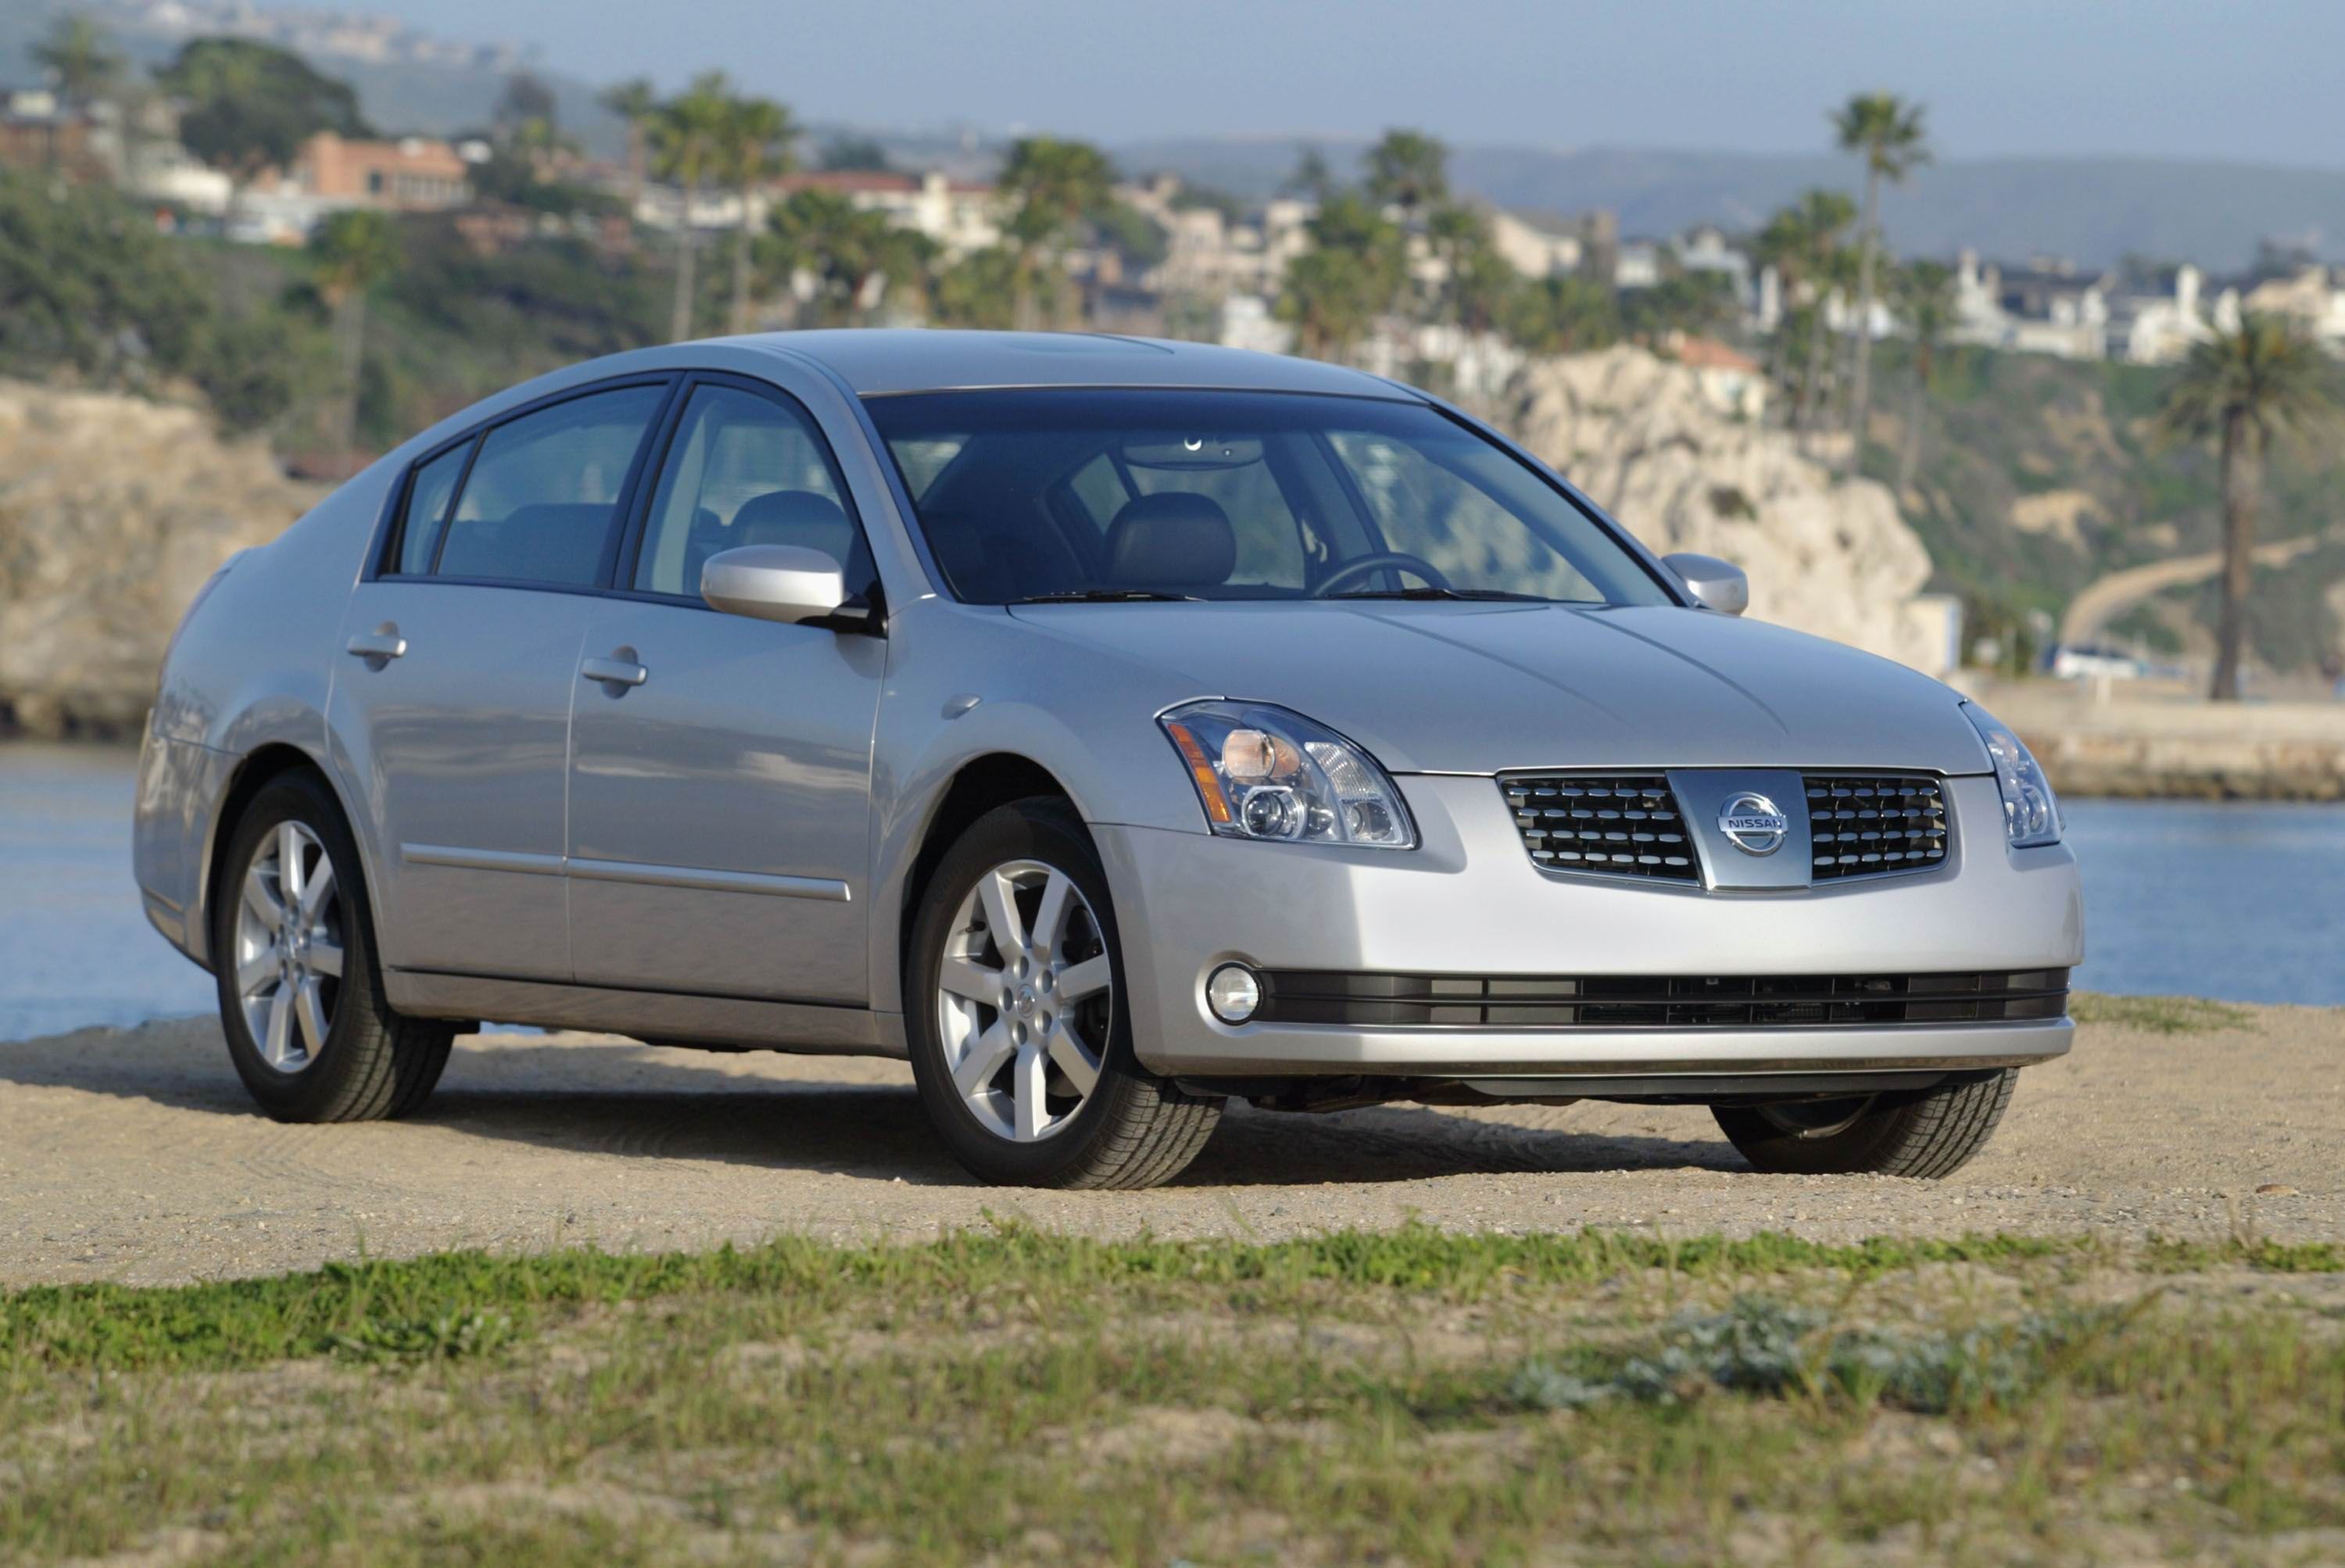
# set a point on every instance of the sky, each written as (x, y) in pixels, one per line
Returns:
(2227, 79)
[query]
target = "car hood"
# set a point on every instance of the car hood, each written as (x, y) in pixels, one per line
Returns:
(1445, 688)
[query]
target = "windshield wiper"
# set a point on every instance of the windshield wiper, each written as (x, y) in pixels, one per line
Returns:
(1430, 591)
(1106, 596)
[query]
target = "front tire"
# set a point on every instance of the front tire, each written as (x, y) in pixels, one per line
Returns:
(1926, 1132)
(300, 991)
(1020, 1028)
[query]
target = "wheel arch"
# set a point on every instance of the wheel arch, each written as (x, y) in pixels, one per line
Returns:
(977, 786)
(260, 767)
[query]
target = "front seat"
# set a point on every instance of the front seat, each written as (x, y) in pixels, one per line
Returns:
(1174, 540)
(799, 517)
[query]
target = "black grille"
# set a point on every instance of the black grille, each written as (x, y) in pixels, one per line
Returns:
(1616, 824)
(1871, 824)
(1659, 1002)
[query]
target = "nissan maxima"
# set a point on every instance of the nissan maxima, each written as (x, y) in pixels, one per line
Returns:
(1112, 729)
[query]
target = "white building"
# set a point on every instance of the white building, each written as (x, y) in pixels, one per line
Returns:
(2311, 298)
(2046, 307)
(1210, 256)
(1536, 246)
(2157, 324)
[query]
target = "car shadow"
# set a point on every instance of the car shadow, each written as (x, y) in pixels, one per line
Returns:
(673, 1104)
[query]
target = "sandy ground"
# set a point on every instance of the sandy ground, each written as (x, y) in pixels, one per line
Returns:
(133, 1155)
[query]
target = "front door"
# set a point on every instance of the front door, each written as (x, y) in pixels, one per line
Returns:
(721, 768)
(454, 682)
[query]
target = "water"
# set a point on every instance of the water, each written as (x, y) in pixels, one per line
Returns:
(75, 947)
(2242, 903)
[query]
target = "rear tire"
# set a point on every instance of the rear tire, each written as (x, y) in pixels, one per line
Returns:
(1926, 1132)
(1015, 996)
(302, 997)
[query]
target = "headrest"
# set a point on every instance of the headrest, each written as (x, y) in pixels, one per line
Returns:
(1175, 539)
(799, 517)
(542, 542)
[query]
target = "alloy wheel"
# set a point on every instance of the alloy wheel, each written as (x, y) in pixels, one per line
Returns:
(288, 947)
(1025, 1000)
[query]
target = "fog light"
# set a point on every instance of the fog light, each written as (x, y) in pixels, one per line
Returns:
(1232, 992)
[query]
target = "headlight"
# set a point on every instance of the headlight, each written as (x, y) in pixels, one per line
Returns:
(2031, 812)
(1261, 772)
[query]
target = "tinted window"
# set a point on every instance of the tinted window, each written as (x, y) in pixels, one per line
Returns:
(538, 504)
(1026, 494)
(743, 469)
(427, 504)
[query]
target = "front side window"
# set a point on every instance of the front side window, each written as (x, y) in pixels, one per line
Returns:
(743, 469)
(538, 504)
(1037, 494)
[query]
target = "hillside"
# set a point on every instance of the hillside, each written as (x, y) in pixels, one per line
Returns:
(2039, 476)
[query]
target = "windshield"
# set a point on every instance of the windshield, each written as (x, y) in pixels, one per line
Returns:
(1035, 495)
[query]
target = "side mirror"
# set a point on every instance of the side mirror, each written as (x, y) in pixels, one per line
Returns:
(773, 582)
(1715, 585)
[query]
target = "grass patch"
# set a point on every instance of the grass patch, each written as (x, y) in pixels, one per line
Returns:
(1016, 1396)
(457, 1304)
(2158, 1014)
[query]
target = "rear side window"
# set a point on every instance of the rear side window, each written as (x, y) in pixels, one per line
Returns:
(538, 504)
(427, 507)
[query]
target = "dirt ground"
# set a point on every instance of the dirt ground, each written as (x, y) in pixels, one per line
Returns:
(133, 1155)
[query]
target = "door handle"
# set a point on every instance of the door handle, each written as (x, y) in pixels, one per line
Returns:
(376, 646)
(614, 671)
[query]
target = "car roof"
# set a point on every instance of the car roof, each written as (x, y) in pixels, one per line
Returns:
(875, 361)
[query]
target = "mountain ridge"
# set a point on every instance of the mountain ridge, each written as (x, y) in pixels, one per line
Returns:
(2093, 209)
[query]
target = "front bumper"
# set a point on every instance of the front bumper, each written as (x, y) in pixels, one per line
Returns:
(1468, 901)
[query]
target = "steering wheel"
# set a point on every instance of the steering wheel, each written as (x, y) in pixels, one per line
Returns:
(1383, 560)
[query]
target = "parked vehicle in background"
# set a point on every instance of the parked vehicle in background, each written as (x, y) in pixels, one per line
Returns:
(1110, 728)
(2092, 661)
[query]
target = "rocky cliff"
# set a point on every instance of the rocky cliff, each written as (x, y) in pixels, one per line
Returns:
(1639, 436)
(113, 511)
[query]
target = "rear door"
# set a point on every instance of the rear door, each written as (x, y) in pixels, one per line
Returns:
(461, 651)
(720, 786)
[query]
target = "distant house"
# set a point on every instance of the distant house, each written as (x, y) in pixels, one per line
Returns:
(2157, 320)
(1637, 264)
(960, 214)
(1705, 249)
(37, 131)
(2313, 297)
(1211, 255)
(415, 174)
(1535, 246)
(1731, 380)
(2045, 307)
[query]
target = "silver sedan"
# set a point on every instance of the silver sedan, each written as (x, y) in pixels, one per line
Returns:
(1110, 728)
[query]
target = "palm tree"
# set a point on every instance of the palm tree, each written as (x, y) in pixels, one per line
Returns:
(1311, 179)
(1331, 298)
(1409, 169)
(1804, 243)
(354, 249)
(850, 253)
(688, 141)
(1054, 185)
(1925, 298)
(1457, 236)
(634, 101)
(2243, 390)
(758, 137)
(1886, 132)
(79, 57)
